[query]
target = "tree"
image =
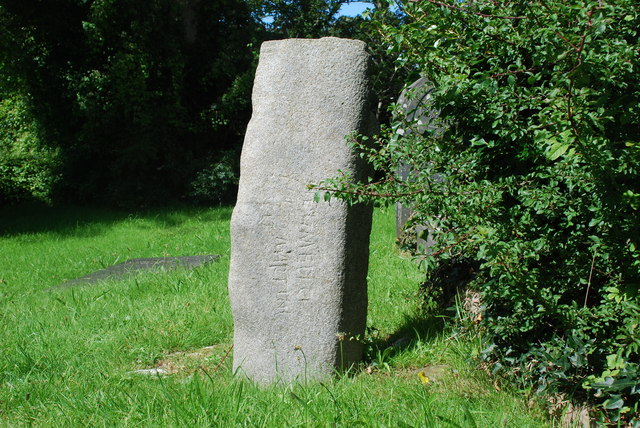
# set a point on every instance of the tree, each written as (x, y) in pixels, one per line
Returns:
(298, 18)
(132, 92)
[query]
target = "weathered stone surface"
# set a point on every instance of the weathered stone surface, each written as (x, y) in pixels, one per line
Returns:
(420, 116)
(298, 270)
(416, 103)
(132, 266)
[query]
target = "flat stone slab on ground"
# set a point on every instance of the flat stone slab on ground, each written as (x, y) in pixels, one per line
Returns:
(132, 266)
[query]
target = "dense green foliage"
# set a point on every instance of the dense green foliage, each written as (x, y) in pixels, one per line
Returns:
(134, 95)
(298, 18)
(533, 181)
(141, 102)
(27, 167)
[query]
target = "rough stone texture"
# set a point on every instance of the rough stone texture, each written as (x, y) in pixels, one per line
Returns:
(132, 266)
(298, 270)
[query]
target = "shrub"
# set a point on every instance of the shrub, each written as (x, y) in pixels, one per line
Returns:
(28, 170)
(129, 91)
(218, 181)
(535, 176)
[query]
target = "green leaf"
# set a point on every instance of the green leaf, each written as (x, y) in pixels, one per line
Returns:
(614, 361)
(557, 150)
(601, 28)
(615, 402)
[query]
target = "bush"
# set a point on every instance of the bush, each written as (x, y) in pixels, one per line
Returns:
(217, 182)
(128, 91)
(535, 176)
(28, 170)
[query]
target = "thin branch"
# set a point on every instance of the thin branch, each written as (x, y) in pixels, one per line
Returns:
(450, 246)
(586, 296)
(365, 193)
(511, 72)
(223, 358)
(484, 15)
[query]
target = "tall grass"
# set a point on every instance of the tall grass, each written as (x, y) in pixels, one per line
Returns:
(68, 356)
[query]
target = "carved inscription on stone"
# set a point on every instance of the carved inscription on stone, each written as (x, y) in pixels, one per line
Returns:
(297, 279)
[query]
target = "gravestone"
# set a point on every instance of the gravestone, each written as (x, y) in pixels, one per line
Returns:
(298, 268)
(416, 107)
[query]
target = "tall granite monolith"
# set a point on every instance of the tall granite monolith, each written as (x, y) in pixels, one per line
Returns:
(297, 279)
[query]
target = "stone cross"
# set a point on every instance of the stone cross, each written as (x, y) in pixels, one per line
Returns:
(297, 279)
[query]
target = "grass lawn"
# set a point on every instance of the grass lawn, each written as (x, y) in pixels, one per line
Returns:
(68, 356)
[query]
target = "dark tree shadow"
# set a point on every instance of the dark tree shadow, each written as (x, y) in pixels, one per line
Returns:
(423, 327)
(75, 220)
(441, 290)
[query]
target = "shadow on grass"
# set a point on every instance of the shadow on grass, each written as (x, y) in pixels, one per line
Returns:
(423, 327)
(93, 220)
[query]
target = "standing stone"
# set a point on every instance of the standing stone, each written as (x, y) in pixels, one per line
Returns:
(297, 279)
